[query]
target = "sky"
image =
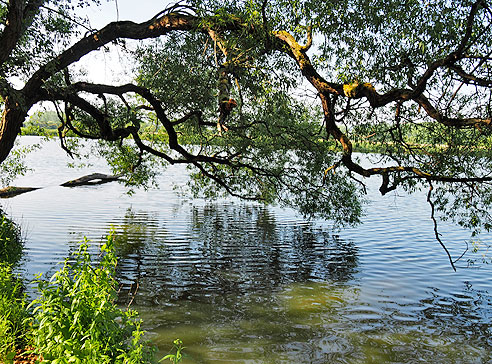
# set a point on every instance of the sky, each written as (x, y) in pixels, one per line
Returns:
(134, 10)
(113, 66)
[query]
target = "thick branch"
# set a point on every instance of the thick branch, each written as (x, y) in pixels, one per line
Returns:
(103, 120)
(286, 42)
(455, 122)
(471, 79)
(122, 29)
(13, 29)
(19, 17)
(91, 179)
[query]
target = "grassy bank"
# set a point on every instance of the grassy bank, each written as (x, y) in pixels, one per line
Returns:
(13, 311)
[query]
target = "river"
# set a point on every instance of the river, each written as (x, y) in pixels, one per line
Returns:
(246, 283)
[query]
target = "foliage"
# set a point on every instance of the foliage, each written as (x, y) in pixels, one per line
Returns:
(15, 166)
(303, 84)
(76, 318)
(284, 153)
(48, 27)
(177, 357)
(32, 129)
(125, 159)
(11, 244)
(46, 119)
(481, 252)
(13, 313)
(42, 123)
(14, 324)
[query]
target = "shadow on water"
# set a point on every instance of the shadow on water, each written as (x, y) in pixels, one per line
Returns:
(229, 279)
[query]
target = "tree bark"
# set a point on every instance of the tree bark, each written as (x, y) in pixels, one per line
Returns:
(10, 126)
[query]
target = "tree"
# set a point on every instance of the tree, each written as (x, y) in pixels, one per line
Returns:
(237, 94)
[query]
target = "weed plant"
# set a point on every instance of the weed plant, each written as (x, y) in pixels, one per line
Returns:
(76, 319)
(11, 244)
(13, 314)
(178, 355)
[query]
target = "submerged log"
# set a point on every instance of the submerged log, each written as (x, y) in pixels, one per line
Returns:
(91, 179)
(12, 191)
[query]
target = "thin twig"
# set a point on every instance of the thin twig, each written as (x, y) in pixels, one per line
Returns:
(436, 233)
(134, 294)
(73, 20)
(463, 254)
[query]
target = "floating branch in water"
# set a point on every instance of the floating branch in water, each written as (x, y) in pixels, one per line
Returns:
(91, 179)
(12, 191)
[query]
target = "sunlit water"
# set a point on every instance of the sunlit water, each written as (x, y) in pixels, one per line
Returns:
(245, 283)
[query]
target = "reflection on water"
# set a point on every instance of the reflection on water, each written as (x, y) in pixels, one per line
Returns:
(225, 250)
(245, 283)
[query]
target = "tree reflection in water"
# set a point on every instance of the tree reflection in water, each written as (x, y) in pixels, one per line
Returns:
(222, 250)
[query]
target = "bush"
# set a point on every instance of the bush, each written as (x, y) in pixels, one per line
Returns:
(76, 319)
(13, 314)
(11, 244)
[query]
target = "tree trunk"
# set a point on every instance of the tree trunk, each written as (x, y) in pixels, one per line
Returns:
(10, 126)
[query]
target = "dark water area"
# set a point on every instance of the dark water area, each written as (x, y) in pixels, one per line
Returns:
(246, 283)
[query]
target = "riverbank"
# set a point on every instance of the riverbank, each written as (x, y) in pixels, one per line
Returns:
(360, 144)
(13, 312)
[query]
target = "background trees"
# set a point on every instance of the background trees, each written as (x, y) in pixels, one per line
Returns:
(266, 100)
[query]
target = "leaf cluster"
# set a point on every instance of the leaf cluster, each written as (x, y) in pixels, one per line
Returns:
(11, 243)
(76, 319)
(50, 28)
(15, 165)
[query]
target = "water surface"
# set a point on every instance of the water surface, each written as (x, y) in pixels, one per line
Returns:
(244, 283)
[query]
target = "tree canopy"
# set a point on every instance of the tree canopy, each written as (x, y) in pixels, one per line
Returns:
(269, 100)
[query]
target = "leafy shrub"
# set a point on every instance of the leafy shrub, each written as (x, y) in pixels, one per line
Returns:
(10, 240)
(77, 320)
(13, 314)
